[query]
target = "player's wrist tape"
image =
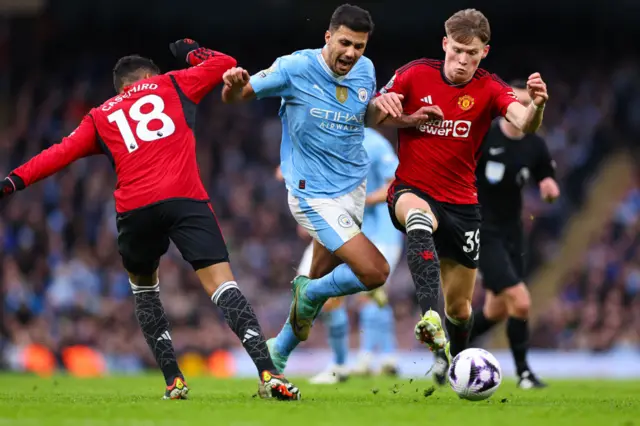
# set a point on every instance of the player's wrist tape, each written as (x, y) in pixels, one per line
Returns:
(537, 107)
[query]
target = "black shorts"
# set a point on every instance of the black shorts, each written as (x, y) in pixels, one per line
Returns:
(458, 234)
(144, 235)
(502, 262)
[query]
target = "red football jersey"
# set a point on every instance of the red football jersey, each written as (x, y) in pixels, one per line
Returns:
(147, 131)
(440, 157)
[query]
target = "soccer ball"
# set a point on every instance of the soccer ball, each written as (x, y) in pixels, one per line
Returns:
(475, 374)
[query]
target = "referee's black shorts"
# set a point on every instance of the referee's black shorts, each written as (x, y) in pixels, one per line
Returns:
(144, 235)
(502, 256)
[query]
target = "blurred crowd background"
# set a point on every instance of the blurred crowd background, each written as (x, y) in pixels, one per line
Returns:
(61, 278)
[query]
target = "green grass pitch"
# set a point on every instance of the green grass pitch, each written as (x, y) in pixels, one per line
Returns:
(135, 401)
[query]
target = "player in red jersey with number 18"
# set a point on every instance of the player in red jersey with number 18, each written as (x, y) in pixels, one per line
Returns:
(433, 198)
(147, 131)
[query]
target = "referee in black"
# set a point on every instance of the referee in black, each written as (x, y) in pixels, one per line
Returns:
(509, 160)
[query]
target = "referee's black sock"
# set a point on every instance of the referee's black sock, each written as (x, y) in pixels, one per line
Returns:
(481, 324)
(458, 331)
(423, 259)
(155, 328)
(244, 323)
(518, 334)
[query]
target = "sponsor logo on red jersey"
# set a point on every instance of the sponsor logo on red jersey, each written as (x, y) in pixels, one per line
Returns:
(454, 128)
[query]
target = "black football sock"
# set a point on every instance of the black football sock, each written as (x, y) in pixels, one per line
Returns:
(244, 323)
(423, 259)
(458, 331)
(481, 325)
(155, 328)
(518, 334)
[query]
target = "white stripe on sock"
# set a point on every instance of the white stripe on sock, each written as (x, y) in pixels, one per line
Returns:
(221, 289)
(143, 288)
(419, 219)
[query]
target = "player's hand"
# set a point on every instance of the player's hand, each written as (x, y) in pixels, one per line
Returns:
(9, 185)
(537, 89)
(426, 114)
(549, 190)
(390, 104)
(235, 77)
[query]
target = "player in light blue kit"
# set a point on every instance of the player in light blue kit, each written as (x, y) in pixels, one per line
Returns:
(377, 322)
(326, 102)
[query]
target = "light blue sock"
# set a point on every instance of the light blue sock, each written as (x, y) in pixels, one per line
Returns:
(337, 322)
(339, 282)
(368, 325)
(286, 341)
(386, 325)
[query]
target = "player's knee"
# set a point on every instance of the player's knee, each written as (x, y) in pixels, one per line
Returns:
(495, 311)
(519, 301)
(376, 275)
(520, 307)
(459, 309)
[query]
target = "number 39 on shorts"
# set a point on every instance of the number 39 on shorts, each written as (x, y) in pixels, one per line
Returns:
(143, 119)
(472, 241)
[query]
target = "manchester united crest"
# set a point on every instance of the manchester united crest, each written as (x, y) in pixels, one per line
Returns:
(342, 93)
(465, 102)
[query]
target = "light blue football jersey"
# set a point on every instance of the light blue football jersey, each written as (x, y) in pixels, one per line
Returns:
(377, 225)
(323, 118)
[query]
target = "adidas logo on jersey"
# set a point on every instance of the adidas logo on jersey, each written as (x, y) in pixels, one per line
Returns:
(427, 100)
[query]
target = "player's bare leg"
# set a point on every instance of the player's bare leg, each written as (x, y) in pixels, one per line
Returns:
(420, 223)
(364, 268)
(458, 283)
(155, 328)
(221, 287)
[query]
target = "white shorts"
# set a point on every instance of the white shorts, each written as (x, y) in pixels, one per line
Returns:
(391, 252)
(331, 221)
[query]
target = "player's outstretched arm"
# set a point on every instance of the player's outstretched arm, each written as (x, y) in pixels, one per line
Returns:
(528, 119)
(383, 106)
(206, 71)
(237, 87)
(80, 143)
(417, 119)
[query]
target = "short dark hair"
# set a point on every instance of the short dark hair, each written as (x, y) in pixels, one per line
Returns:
(128, 68)
(518, 83)
(353, 17)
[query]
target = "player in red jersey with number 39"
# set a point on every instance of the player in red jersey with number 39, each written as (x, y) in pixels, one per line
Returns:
(433, 198)
(147, 131)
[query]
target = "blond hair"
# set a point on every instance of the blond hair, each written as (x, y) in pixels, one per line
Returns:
(464, 25)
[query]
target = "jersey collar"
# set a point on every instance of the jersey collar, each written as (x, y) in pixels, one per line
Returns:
(325, 67)
(449, 82)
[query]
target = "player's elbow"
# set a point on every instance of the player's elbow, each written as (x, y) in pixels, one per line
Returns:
(225, 61)
(230, 62)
